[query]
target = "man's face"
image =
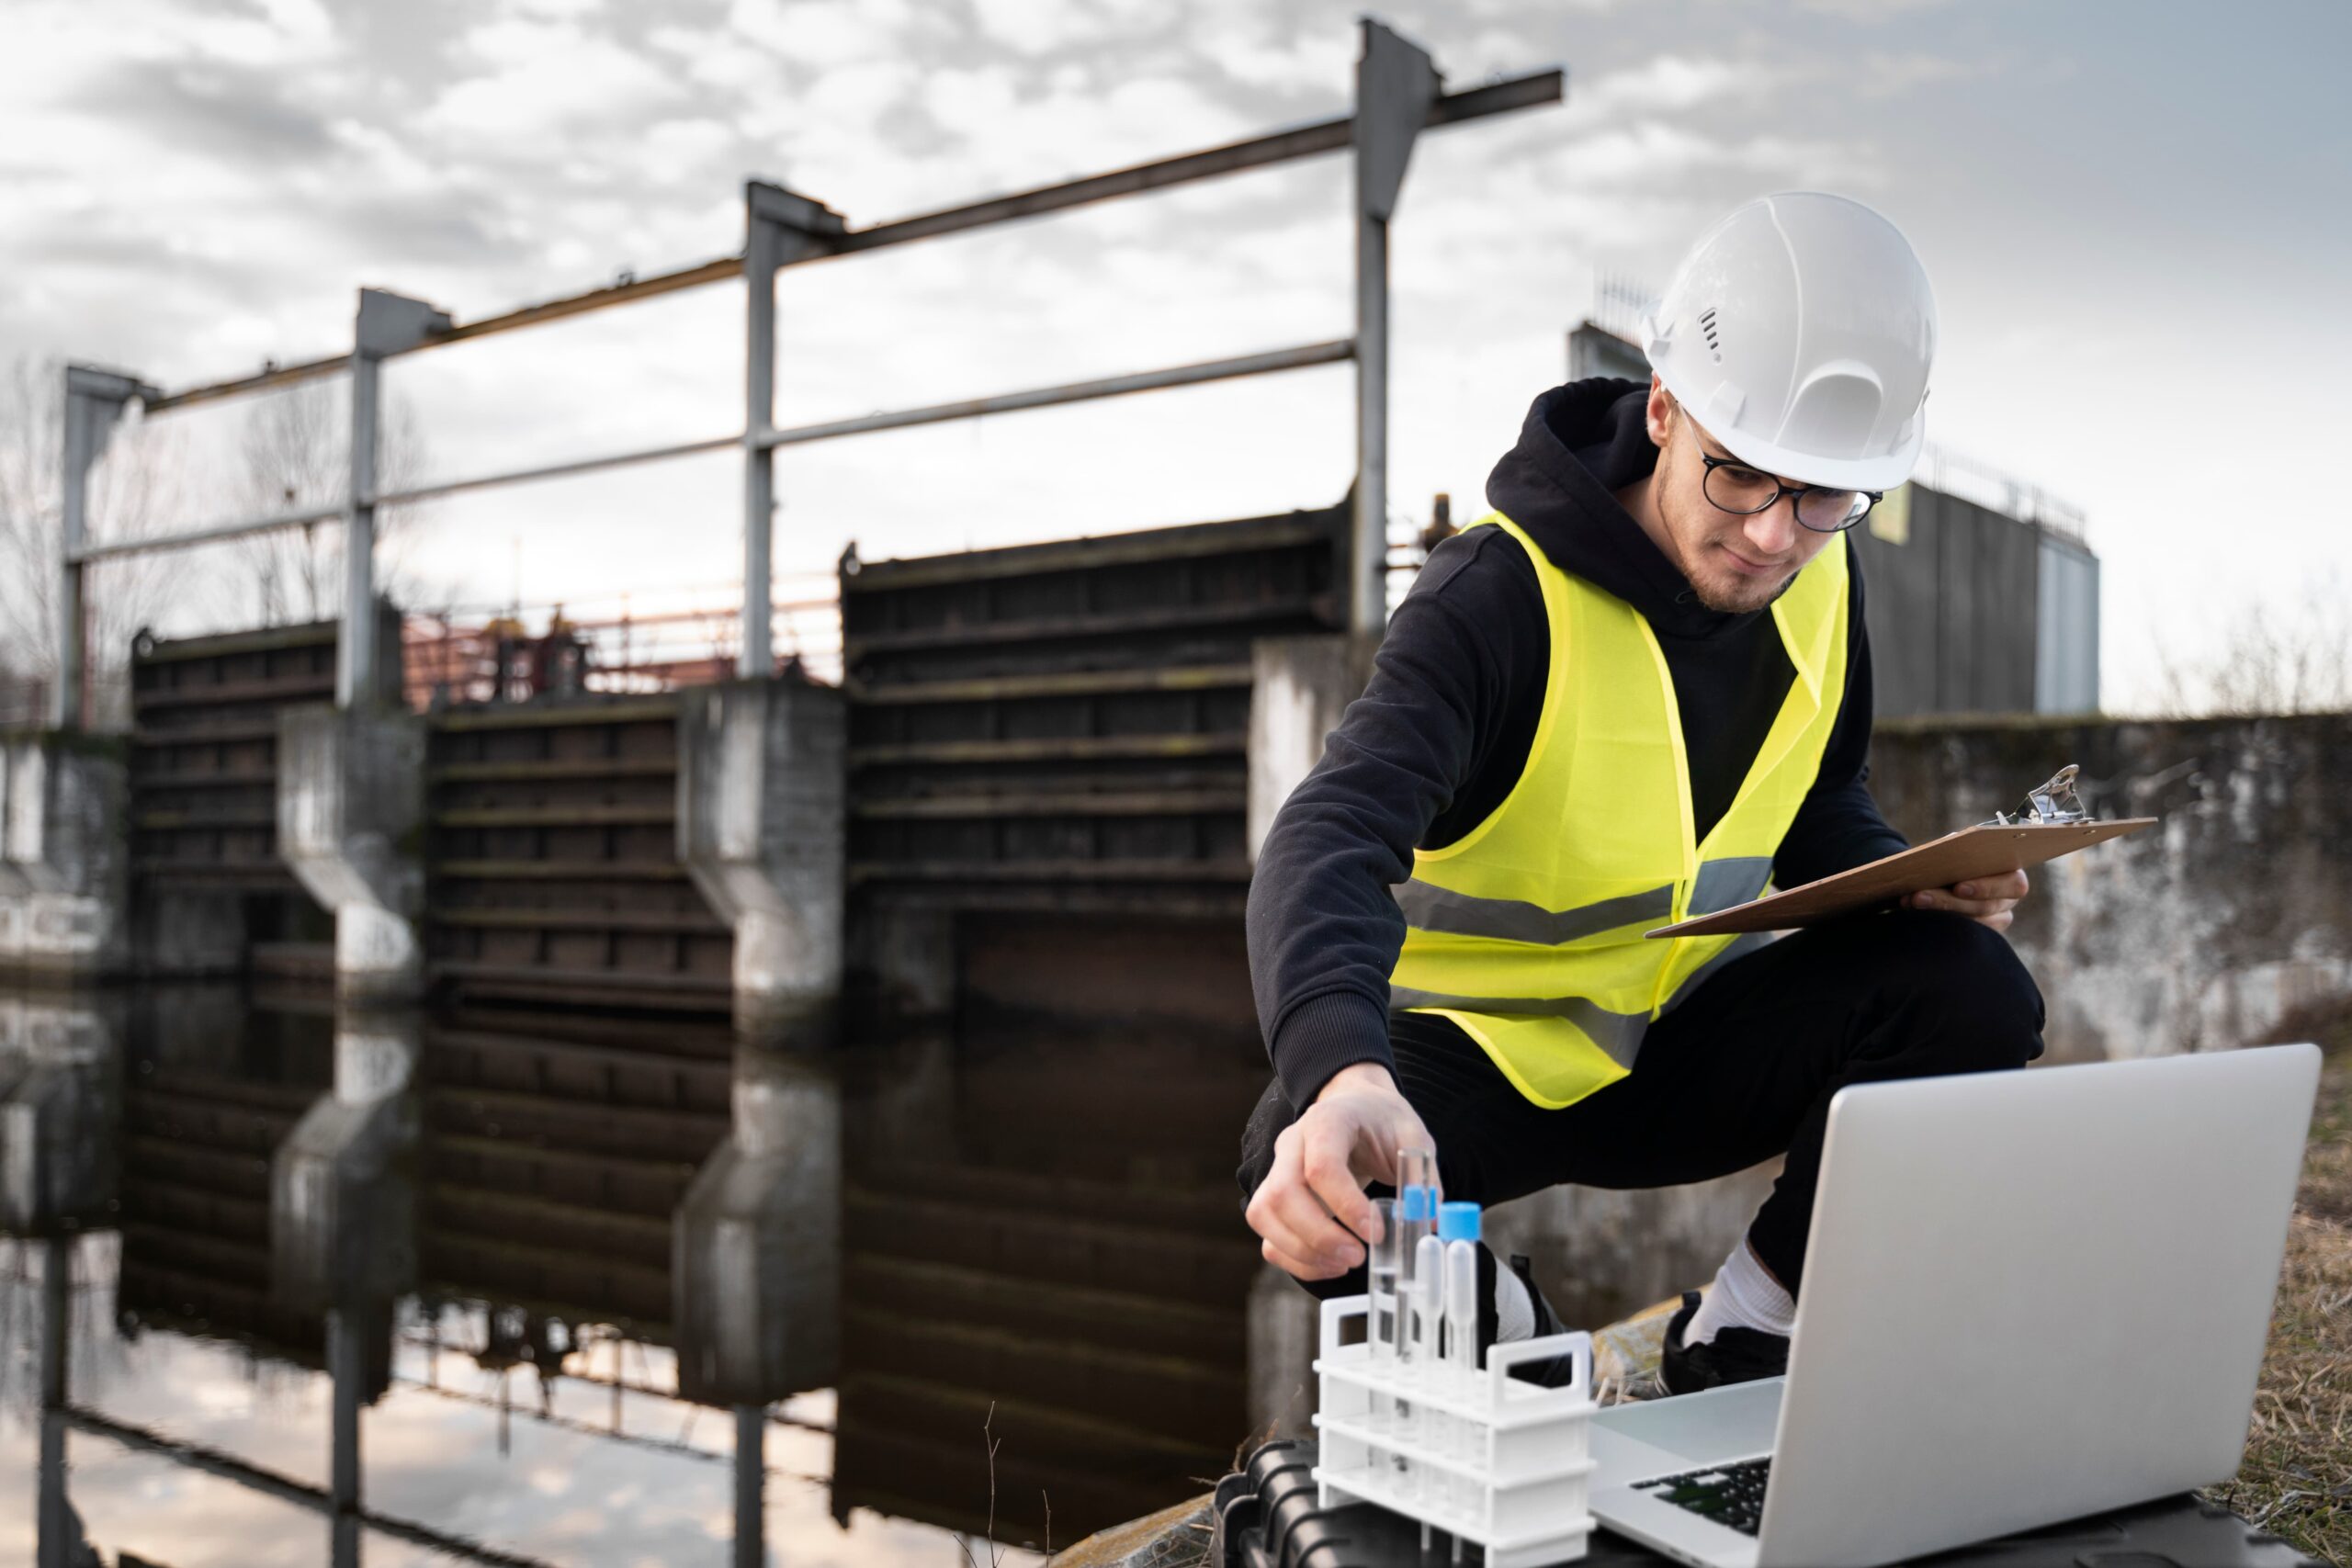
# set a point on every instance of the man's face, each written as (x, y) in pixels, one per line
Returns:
(1736, 563)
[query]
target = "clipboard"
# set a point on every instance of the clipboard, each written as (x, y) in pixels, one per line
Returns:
(1985, 851)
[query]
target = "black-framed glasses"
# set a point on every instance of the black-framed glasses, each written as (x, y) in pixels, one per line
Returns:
(1732, 486)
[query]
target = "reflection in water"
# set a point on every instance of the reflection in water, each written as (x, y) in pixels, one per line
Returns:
(515, 1288)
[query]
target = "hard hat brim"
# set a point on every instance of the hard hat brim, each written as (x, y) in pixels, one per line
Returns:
(1883, 472)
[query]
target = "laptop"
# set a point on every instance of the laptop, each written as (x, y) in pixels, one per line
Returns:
(2029, 1296)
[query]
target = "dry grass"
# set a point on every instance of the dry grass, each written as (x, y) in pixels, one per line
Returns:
(2297, 1479)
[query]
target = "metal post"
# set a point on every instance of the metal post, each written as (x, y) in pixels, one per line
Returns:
(386, 324)
(779, 228)
(54, 1536)
(94, 400)
(1396, 84)
(754, 657)
(750, 1483)
(345, 1369)
(355, 662)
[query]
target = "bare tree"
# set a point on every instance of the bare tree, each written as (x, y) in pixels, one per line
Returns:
(135, 488)
(296, 452)
(2275, 658)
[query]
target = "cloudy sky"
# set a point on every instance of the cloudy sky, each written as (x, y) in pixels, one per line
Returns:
(2133, 211)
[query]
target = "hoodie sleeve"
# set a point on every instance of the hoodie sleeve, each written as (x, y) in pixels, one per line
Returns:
(1839, 827)
(1324, 930)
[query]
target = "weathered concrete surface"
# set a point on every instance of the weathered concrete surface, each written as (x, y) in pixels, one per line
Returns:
(2200, 932)
(755, 1243)
(1299, 687)
(343, 1196)
(763, 828)
(350, 818)
(60, 1111)
(64, 856)
(1176, 1537)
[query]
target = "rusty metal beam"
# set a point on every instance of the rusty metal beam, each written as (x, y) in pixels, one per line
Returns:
(1298, 358)
(1257, 151)
(1302, 141)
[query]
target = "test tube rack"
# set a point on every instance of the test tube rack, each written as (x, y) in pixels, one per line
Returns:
(1488, 1457)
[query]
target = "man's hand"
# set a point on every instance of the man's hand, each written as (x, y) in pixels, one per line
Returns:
(1987, 900)
(1313, 1198)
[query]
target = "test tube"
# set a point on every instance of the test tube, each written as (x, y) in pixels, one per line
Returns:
(1381, 1329)
(1457, 1225)
(1417, 1200)
(1429, 1317)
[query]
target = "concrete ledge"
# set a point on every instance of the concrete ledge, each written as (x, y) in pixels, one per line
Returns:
(350, 812)
(763, 830)
(1299, 687)
(64, 862)
(343, 1209)
(755, 1243)
(61, 1112)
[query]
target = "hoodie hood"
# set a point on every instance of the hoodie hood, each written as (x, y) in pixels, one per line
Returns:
(1581, 442)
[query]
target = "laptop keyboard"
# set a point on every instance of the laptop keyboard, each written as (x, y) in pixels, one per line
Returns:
(1731, 1494)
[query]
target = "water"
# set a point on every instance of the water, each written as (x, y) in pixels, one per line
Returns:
(1024, 1235)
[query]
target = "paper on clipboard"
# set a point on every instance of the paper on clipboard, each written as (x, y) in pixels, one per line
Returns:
(1985, 851)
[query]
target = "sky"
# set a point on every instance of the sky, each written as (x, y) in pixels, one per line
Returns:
(2105, 195)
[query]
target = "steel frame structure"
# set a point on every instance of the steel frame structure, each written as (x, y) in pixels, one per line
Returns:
(1397, 94)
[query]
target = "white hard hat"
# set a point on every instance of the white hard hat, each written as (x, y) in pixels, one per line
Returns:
(1799, 330)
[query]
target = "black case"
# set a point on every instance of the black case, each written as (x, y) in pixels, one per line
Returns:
(1265, 1517)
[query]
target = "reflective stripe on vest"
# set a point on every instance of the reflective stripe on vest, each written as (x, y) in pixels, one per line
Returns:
(1528, 930)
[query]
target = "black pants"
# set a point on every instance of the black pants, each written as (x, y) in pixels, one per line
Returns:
(1739, 1071)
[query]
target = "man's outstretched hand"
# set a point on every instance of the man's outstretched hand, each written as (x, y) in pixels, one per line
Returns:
(1311, 1210)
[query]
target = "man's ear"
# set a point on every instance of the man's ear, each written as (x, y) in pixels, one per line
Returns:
(1660, 412)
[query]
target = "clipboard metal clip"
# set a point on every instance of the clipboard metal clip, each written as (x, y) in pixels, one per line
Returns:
(2053, 802)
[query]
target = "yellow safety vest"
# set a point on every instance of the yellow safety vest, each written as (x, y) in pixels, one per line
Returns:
(1527, 931)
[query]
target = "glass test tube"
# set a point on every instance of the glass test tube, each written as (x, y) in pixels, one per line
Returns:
(1383, 1268)
(1417, 1200)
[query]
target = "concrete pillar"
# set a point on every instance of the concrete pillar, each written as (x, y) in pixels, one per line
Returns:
(342, 1208)
(1299, 687)
(763, 825)
(61, 1107)
(350, 822)
(755, 1244)
(64, 856)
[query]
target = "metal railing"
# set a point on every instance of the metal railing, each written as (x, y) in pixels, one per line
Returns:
(1397, 96)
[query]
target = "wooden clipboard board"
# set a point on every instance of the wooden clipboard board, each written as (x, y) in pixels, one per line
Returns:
(1955, 857)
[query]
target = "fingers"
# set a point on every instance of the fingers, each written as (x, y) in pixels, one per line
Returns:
(1985, 898)
(1296, 1226)
(1297, 1268)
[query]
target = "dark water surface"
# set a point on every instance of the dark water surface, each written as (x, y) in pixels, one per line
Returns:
(1020, 1231)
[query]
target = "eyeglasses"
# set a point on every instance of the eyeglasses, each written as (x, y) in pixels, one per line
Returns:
(1736, 488)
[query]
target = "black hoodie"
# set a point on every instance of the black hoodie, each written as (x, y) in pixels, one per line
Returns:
(1441, 732)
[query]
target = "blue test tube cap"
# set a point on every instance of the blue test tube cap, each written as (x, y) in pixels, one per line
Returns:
(1457, 1222)
(1416, 1202)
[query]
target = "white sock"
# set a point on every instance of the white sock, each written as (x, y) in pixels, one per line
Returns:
(1743, 1296)
(1514, 1313)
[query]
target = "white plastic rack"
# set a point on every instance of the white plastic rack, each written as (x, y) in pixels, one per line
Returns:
(1481, 1455)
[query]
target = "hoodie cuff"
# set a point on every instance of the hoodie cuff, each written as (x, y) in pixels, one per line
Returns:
(1324, 1034)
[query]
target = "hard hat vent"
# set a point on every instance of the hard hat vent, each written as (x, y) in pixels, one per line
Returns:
(1707, 325)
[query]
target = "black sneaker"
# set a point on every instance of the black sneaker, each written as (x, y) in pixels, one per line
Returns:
(1734, 1355)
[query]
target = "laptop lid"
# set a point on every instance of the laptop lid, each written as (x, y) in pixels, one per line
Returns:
(2031, 1296)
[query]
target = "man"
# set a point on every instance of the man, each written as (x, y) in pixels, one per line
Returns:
(1634, 693)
